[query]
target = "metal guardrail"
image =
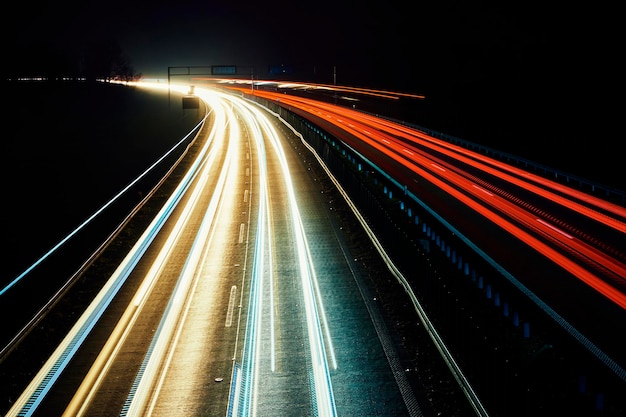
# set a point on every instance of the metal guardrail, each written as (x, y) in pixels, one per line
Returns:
(615, 196)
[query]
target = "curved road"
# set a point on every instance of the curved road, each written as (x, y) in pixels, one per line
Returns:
(237, 300)
(566, 247)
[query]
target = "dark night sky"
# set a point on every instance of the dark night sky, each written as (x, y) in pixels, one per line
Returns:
(394, 42)
(532, 63)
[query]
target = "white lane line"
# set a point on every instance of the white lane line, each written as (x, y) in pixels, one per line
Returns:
(482, 189)
(231, 306)
(242, 232)
(555, 229)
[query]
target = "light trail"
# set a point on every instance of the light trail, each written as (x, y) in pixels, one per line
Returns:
(471, 395)
(364, 122)
(79, 404)
(393, 95)
(35, 392)
(164, 341)
(100, 210)
(383, 137)
(246, 383)
(611, 293)
(247, 380)
(145, 391)
(316, 320)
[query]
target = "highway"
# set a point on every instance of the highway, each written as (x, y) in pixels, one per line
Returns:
(241, 298)
(495, 190)
(238, 299)
(561, 247)
(583, 235)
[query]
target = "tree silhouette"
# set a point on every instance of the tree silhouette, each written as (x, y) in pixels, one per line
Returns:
(105, 60)
(94, 60)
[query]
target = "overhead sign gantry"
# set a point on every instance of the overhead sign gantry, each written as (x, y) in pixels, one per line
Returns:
(191, 101)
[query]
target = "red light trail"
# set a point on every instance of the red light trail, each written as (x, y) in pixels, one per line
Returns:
(430, 158)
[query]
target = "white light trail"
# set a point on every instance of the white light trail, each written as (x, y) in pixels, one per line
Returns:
(38, 388)
(162, 346)
(315, 315)
(246, 375)
(96, 214)
(247, 383)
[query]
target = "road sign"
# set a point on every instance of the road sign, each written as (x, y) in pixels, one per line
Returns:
(223, 69)
(191, 102)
